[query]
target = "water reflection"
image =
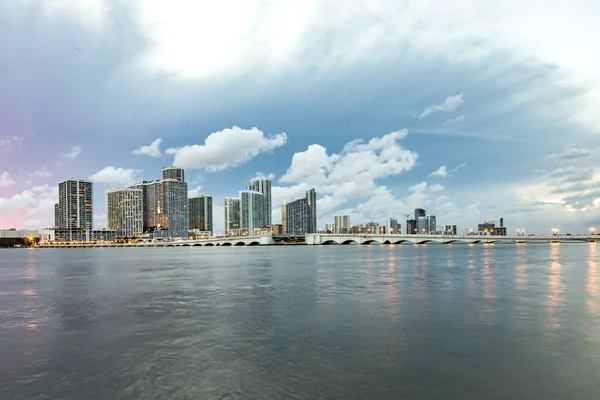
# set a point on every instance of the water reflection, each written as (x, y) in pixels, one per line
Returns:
(488, 291)
(591, 283)
(521, 269)
(555, 299)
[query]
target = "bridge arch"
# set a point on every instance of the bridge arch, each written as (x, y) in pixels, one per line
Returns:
(197, 244)
(402, 241)
(328, 242)
(209, 244)
(254, 244)
(370, 241)
(227, 244)
(240, 244)
(350, 241)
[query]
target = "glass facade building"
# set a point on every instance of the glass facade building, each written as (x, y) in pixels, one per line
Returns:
(299, 217)
(252, 212)
(232, 216)
(263, 186)
(200, 213)
(124, 212)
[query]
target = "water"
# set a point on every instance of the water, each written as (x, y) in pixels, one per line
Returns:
(326, 322)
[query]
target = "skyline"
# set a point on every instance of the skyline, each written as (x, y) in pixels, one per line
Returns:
(473, 128)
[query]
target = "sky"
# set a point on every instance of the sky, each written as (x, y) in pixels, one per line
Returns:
(473, 110)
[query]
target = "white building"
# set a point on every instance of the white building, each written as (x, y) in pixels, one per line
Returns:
(252, 217)
(341, 223)
(263, 186)
(392, 226)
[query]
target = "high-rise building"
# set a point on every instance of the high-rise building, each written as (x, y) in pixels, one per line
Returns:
(172, 172)
(252, 216)
(419, 212)
(57, 215)
(341, 223)
(263, 186)
(411, 227)
(200, 213)
(165, 205)
(124, 212)
(432, 224)
(232, 216)
(75, 202)
(299, 217)
(393, 226)
(422, 225)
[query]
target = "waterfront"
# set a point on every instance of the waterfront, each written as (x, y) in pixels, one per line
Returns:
(302, 322)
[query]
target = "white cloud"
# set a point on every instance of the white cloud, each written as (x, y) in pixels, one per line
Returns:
(460, 118)
(35, 205)
(6, 180)
(441, 172)
(436, 188)
(152, 150)
(195, 192)
(347, 177)
(41, 173)
(10, 142)
(450, 103)
(571, 154)
(112, 175)
(260, 175)
(227, 148)
(73, 153)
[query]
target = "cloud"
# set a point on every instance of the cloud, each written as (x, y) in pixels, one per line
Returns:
(346, 177)
(436, 188)
(35, 205)
(571, 154)
(443, 172)
(259, 175)
(6, 180)
(152, 150)
(451, 103)
(41, 173)
(195, 192)
(73, 153)
(227, 148)
(460, 118)
(10, 142)
(112, 175)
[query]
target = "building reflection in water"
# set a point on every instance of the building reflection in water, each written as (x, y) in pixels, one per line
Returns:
(488, 307)
(555, 299)
(521, 268)
(591, 283)
(391, 290)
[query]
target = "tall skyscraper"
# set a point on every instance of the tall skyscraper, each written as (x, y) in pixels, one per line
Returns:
(165, 204)
(232, 216)
(411, 227)
(124, 212)
(341, 223)
(200, 213)
(392, 226)
(419, 212)
(263, 186)
(432, 224)
(75, 202)
(299, 217)
(252, 208)
(172, 172)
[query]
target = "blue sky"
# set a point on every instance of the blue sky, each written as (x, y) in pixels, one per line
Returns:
(472, 110)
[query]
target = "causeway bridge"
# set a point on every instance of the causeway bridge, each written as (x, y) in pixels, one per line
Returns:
(216, 241)
(332, 238)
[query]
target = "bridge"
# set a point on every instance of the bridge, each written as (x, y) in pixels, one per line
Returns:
(216, 241)
(329, 238)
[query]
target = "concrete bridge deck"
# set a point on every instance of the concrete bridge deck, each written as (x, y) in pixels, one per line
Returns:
(319, 239)
(217, 241)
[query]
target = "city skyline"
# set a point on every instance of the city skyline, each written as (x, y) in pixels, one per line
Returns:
(509, 128)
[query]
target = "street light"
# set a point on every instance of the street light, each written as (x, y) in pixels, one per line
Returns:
(592, 231)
